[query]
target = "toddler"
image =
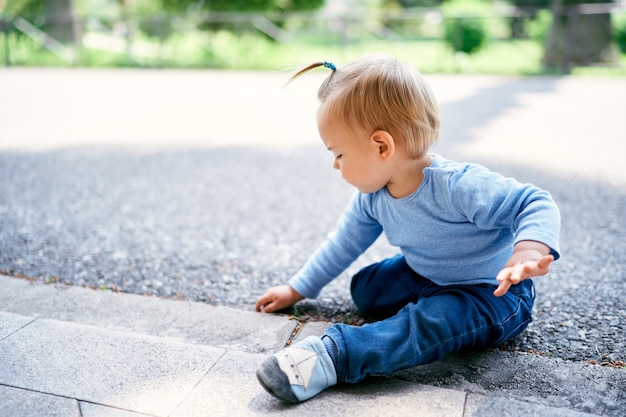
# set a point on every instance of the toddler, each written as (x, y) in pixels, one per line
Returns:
(469, 239)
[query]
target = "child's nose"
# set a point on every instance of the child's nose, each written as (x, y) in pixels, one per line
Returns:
(336, 164)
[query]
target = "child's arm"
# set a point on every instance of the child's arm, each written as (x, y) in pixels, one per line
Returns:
(356, 231)
(278, 298)
(530, 259)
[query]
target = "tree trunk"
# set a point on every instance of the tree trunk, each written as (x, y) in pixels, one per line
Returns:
(578, 39)
(60, 22)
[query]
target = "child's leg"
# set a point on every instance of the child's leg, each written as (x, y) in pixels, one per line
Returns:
(382, 289)
(431, 321)
(441, 320)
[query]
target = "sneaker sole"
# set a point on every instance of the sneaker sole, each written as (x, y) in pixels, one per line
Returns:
(268, 371)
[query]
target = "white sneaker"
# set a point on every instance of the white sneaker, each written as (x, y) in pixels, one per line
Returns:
(298, 372)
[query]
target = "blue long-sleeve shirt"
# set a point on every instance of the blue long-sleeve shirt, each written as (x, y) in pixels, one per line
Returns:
(458, 227)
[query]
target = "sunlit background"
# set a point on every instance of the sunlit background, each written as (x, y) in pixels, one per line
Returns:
(513, 37)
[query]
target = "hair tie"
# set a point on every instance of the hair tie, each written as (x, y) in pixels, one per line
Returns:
(329, 65)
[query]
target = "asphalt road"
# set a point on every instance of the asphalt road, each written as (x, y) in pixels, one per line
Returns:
(212, 186)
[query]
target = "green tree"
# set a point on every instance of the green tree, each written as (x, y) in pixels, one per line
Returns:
(465, 27)
(465, 34)
(24, 8)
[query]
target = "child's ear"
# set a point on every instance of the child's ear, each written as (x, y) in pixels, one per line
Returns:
(384, 143)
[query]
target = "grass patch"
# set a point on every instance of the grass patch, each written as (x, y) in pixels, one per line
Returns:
(249, 51)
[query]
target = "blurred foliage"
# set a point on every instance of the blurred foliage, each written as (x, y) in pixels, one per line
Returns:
(37, 7)
(538, 27)
(465, 24)
(407, 4)
(158, 28)
(196, 34)
(465, 34)
(619, 27)
(532, 3)
(239, 5)
(24, 7)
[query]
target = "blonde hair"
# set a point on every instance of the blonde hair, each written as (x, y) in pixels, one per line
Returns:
(381, 93)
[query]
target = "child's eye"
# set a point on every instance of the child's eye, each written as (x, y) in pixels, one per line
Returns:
(338, 156)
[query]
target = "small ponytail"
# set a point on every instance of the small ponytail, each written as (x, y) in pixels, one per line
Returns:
(327, 64)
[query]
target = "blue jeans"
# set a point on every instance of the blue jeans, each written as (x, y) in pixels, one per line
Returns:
(420, 321)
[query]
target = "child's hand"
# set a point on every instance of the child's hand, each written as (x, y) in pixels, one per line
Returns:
(523, 264)
(277, 298)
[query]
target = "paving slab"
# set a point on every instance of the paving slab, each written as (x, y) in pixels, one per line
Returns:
(96, 410)
(15, 402)
(189, 321)
(10, 323)
(107, 372)
(227, 389)
(381, 396)
(231, 389)
(130, 371)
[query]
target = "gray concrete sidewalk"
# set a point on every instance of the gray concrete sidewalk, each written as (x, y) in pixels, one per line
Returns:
(69, 351)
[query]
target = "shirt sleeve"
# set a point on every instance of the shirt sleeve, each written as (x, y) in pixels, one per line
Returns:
(356, 230)
(492, 201)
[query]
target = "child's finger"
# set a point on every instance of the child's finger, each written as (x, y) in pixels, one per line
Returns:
(516, 273)
(504, 274)
(502, 288)
(545, 262)
(521, 272)
(263, 301)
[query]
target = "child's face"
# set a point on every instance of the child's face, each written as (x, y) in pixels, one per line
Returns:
(357, 156)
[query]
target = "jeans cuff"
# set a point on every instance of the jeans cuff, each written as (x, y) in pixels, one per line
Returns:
(341, 366)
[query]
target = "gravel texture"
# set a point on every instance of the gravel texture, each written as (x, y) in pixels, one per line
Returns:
(221, 225)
